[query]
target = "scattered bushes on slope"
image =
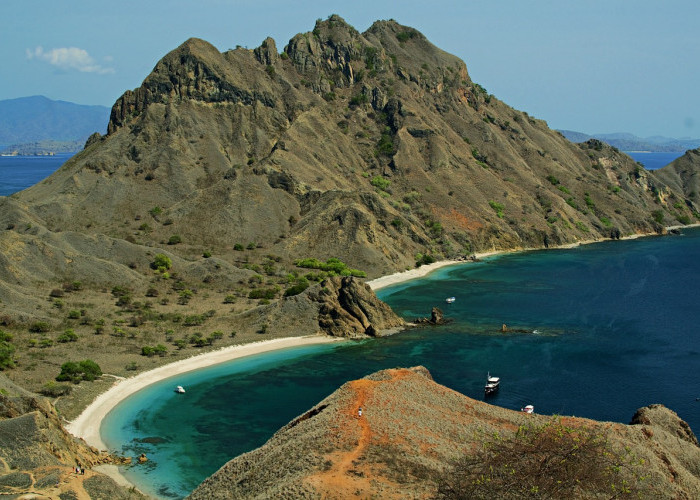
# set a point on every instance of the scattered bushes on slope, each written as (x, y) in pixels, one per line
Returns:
(549, 461)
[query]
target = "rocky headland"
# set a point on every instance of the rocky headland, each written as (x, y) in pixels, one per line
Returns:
(418, 439)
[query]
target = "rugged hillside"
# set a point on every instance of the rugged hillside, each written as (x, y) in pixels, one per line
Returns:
(415, 439)
(371, 147)
(682, 176)
(39, 457)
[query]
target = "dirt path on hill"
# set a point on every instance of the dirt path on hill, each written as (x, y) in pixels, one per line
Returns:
(346, 477)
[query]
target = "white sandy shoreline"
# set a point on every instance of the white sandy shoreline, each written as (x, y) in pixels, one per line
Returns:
(87, 424)
(419, 272)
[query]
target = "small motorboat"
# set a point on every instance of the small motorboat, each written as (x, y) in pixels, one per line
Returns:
(528, 409)
(179, 389)
(492, 384)
(450, 300)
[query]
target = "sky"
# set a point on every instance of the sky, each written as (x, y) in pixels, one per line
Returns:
(593, 66)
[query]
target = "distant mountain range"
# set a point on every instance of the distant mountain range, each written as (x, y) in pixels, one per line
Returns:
(629, 142)
(26, 123)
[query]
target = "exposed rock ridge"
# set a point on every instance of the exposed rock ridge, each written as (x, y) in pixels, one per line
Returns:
(196, 70)
(349, 308)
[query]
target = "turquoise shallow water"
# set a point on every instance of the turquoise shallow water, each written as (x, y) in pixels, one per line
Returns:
(616, 328)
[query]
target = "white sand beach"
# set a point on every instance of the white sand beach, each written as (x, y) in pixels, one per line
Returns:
(87, 425)
(419, 272)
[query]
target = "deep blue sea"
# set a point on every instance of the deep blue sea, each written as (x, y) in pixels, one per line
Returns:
(20, 172)
(612, 327)
(653, 160)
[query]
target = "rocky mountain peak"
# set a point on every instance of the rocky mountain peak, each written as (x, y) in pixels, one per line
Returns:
(267, 52)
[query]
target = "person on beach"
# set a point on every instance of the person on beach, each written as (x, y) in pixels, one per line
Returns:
(359, 412)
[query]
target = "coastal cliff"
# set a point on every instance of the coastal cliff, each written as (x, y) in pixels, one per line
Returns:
(418, 439)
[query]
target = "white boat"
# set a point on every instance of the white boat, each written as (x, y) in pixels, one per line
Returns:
(179, 389)
(492, 384)
(528, 409)
(450, 300)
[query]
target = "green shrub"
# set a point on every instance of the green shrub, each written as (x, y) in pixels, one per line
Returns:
(264, 293)
(230, 299)
(380, 182)
(606, 222)
(76, 372)
(161, 262)
(300, 285)
(67, 336)
(194, 320)
(498, 207)
(683, 219)
(238, 247)
(185, 296)
(174, 239)
(553, 180)
(658, 216)
(422, 259)
(39, 327)
(7, 352)
(385, 146)
(53, 390)
(358, 99)
(404, 36)
(74, 315)
(332, 266)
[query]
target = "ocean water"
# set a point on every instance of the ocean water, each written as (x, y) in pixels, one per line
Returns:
(20, 172)
(608, 328)
(653, 160)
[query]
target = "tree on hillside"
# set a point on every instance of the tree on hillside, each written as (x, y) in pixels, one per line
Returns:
(77, 372)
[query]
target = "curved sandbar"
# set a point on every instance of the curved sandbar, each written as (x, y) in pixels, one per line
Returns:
(87, 425)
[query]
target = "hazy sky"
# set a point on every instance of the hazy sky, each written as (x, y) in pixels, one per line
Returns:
(594, 66)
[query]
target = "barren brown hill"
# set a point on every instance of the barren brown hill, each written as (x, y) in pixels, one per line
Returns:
(418, 439)
(682, 175)
(376, 148)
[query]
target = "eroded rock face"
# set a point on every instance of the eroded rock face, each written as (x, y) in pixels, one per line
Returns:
(41, 455)
(349, 308)
(660, 416)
